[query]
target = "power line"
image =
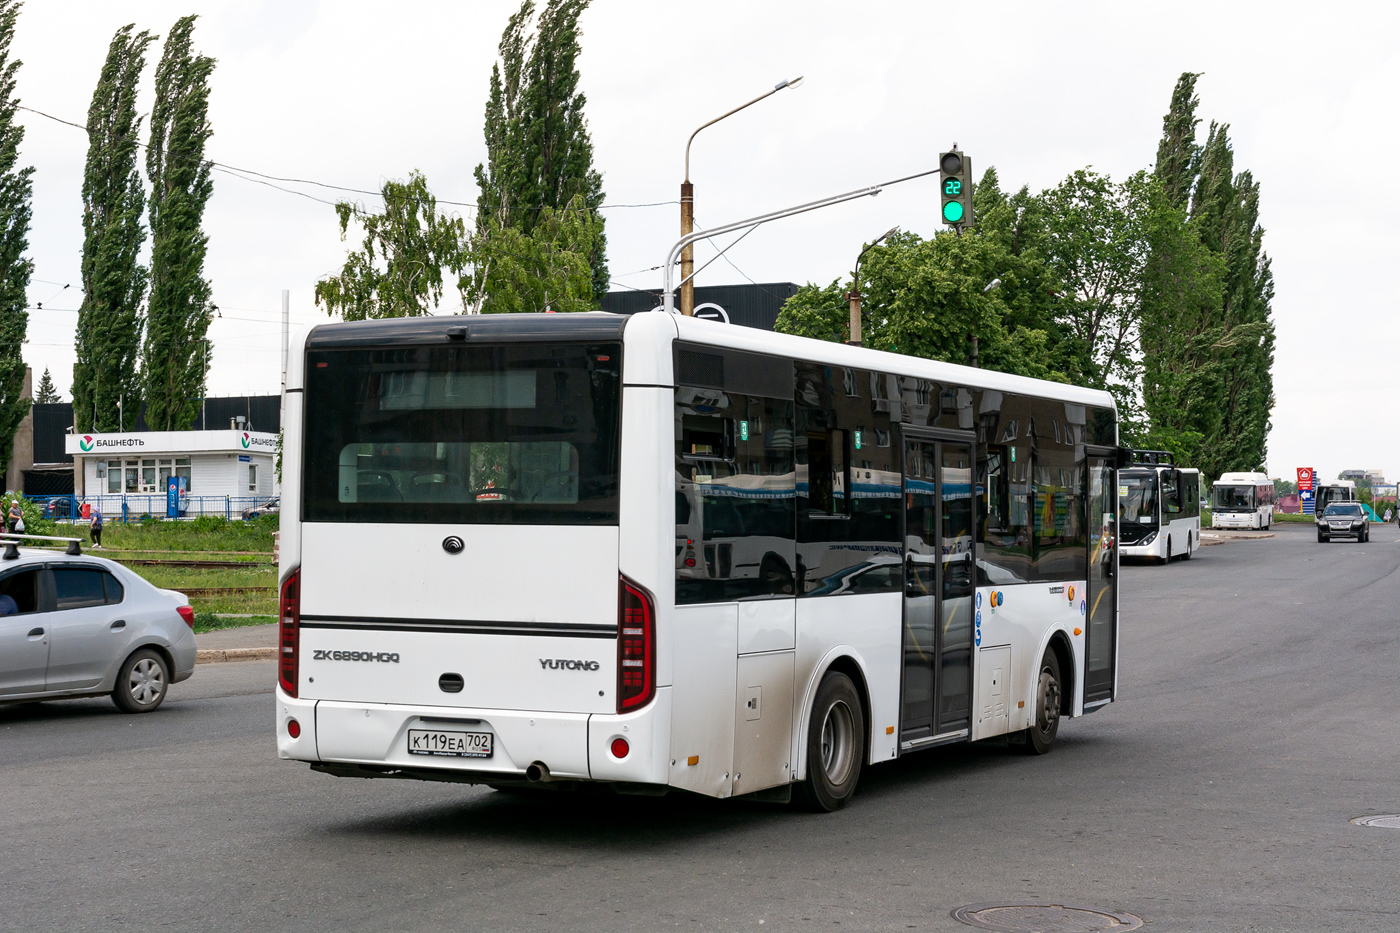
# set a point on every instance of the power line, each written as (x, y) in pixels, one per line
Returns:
(265, 179)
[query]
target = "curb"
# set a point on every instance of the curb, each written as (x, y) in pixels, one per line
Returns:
(220, 655)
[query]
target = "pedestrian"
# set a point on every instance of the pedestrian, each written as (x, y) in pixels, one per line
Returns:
(15, 515)
(96, 528)
(1387, 516)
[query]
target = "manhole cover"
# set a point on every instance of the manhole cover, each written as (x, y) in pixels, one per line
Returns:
(1384, 821)
(1044, 918)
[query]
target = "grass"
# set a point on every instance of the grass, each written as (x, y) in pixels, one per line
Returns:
(206, 538)
(202, 535)
(208, 622)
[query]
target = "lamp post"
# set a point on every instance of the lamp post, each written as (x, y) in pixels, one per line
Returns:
(992, 286)
(688, 199)
(854, 295)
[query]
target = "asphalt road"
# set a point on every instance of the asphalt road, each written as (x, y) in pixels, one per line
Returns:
(1259, 711)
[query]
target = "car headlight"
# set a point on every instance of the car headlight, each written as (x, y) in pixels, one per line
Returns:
(1357, 524)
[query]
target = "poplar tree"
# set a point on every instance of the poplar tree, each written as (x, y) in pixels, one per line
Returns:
(114, 281)
(15, 268)
(1208, 334)
(539, 151)
(173, 360)
(46, 394)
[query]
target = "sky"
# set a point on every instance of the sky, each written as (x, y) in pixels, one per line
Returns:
(353, 93)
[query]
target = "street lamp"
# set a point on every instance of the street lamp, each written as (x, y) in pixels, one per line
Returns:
(688, 199)
(854, 295)
(992, 286)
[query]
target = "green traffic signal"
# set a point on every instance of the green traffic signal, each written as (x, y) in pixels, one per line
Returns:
(955, 190)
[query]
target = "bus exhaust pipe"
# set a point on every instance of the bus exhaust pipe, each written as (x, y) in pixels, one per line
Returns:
(538, 773)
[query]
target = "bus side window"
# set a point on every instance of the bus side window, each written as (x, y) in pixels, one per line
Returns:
(1171, 491)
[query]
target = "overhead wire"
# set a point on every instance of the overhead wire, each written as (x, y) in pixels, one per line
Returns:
(263, 178)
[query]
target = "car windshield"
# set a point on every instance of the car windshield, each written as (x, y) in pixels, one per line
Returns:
(1353, 510)
(1137, 498)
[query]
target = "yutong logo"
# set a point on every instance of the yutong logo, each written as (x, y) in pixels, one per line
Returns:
(322, 654)
(561, 664)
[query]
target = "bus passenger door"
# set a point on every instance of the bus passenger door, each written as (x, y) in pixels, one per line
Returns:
(939, 581)
(1102, 609)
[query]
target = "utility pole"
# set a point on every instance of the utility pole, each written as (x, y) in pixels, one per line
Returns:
(854, 295)
(286, 334)
(688, 202)
(992, 286)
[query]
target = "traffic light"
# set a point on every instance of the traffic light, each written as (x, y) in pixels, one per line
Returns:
(956, 188)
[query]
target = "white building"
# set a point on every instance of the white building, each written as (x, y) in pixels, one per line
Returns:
(134, 467)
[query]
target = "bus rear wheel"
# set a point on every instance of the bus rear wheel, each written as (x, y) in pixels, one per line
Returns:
(1041, 736)
(835, 746)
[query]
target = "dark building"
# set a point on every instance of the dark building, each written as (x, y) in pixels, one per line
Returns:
(749, 305)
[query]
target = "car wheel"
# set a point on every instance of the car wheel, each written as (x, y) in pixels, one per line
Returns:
(142, 682)
(1320, 538)
(835, 746)
(1041, 736)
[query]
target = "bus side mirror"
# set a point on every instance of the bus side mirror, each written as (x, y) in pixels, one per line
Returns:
(1124, 459)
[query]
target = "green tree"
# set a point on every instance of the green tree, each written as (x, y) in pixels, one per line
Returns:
(108, 342)
(544, 270)
(539, 151)
(178, 316)
(1208, 337)
(15, 268)
(46, 394)
(927, 298)
(398, 272)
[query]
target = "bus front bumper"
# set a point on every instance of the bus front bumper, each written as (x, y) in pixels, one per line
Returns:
(371, 739)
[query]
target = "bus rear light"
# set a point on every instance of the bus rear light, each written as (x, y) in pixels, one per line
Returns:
(294, 728)
(620, 748)
(636, 647)
(289, 634)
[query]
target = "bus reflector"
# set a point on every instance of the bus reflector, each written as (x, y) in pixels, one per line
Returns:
(636, 647)
(620, 747)
(294, 728)
(289, 633)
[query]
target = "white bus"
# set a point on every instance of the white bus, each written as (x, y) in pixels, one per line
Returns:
(478, 580)
(1242, 500)
(1159, 508)
(1338, 490)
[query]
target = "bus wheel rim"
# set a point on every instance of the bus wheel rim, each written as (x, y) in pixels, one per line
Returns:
(837, 737)
(1049, 711)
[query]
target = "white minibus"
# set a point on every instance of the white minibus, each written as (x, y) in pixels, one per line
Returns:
(1159, 508)
(1242, 500)
(656, 552)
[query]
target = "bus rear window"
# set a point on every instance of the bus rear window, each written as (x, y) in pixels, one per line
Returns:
(523, 434)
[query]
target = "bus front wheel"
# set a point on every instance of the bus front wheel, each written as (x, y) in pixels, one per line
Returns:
(835, 746)
(1041, 736)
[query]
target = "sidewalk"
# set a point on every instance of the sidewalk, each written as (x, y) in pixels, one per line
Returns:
(249, 643)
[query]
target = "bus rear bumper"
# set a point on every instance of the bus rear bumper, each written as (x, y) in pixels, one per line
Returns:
(371, 739)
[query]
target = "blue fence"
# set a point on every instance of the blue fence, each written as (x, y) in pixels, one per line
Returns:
(118, 508)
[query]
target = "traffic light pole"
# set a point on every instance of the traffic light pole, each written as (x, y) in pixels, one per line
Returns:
(668, 294)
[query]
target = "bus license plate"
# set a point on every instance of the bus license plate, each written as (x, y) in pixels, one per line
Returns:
(449, 744)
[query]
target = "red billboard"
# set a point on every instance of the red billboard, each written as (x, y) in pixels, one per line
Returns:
(1305, 478)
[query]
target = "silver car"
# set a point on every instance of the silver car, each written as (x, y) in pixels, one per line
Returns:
(72, 625)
